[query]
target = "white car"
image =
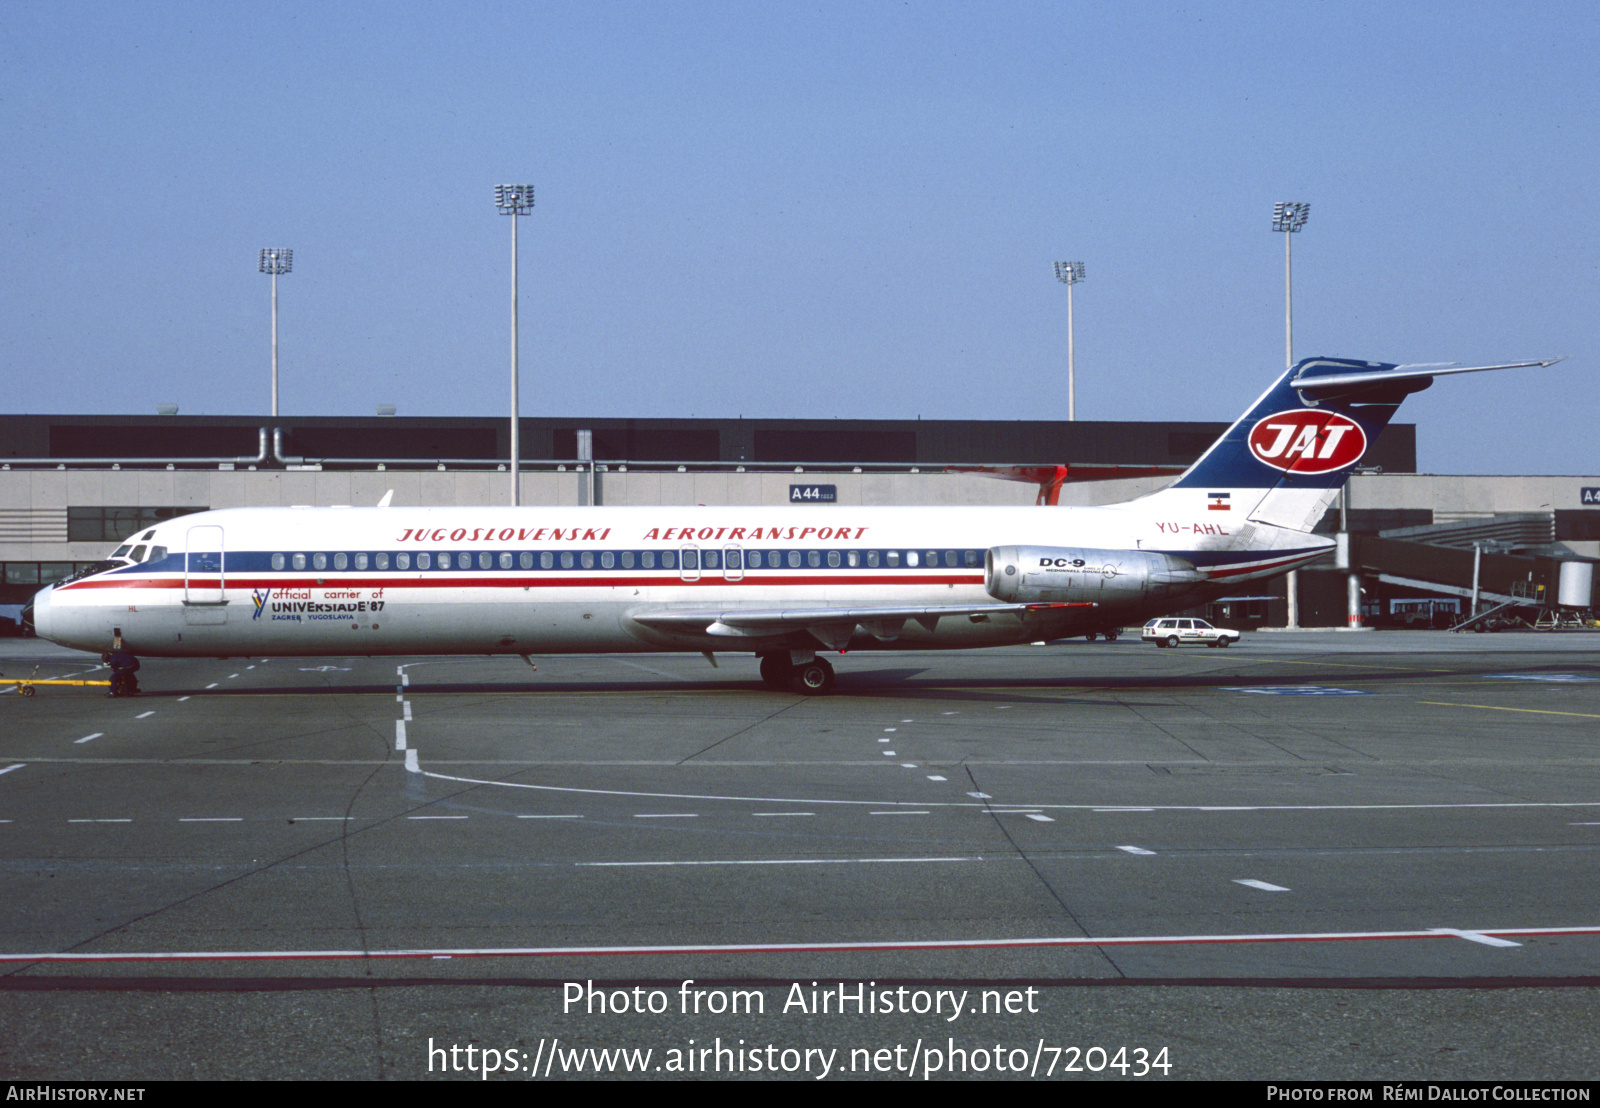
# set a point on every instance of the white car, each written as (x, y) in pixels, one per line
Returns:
(1176, 630)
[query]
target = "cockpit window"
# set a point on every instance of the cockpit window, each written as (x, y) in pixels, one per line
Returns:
(122, 551)
(87, 571)
(138, 553)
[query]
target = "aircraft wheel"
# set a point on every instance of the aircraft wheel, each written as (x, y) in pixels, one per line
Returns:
(776, 670)
(26, 690)
(1172, 640)
(813, 678)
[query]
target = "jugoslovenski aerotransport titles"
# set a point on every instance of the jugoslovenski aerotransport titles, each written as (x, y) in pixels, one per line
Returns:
(780, 583)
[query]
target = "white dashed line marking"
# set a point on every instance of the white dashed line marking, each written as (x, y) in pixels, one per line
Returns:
(887, 753)
(1264, 886)
(1122, 809)
(980, 796)
(436, 817)
(776, 814)
(406, 708)
(1135, 850)
(1476, 937)
(212, 685)
(1039, 817)
(411, 762)
(549, 817)
(181, 699)
(99, 821)
(399, 734)
(900, 813)
(88, 738)
(210, 819)
(652, 669)
(666, 815)
(145, 715)
(936, 777)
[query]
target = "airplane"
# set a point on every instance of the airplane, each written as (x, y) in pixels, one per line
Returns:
(782, 583)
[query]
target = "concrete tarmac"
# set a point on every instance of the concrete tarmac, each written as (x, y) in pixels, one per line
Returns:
(1364, 856)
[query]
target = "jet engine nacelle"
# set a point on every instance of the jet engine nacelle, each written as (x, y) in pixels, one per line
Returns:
(1045, 574)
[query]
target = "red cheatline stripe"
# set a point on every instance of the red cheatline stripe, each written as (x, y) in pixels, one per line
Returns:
(597, 579)
(1256, 567)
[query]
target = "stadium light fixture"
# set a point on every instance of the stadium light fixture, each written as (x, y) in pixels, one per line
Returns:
(274, 262)
(1289, 217)
(1069, 274)
(514, 200)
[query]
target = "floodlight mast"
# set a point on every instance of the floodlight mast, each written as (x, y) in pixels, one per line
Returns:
(1289, 217)
(514, 200)
(1069, 274)
(274, 262)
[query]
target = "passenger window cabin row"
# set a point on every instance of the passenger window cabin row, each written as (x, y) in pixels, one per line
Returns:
(690, 557)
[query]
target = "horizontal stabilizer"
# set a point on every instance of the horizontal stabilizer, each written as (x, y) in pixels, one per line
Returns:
(1334, 385)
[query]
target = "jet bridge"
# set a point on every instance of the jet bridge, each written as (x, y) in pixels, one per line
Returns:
(1509, 584)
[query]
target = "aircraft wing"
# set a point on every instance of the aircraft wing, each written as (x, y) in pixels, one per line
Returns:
(833, 627)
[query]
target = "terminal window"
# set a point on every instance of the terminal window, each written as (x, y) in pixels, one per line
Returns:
(109, 524)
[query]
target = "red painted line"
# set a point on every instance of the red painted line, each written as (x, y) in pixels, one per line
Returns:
(786, 948)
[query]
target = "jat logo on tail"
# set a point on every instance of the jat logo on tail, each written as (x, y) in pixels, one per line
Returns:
(1308, 441)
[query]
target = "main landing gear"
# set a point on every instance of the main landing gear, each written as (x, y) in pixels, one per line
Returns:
(809, 678)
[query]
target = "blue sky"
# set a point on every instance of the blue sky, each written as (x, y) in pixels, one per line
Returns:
(819, 210)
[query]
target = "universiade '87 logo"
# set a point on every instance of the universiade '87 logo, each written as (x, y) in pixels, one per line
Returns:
(1307, 441)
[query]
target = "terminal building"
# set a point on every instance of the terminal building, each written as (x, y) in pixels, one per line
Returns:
(1415, 546)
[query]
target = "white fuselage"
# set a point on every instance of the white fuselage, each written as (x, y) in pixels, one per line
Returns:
(309, 581)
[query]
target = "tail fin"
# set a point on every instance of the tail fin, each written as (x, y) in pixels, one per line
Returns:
(1283, 462)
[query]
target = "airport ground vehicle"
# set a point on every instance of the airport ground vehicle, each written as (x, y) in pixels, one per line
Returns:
(1180, 630)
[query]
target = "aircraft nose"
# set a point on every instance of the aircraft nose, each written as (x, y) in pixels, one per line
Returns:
(40, 609)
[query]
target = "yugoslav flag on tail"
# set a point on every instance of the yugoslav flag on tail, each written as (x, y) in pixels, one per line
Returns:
(1284, 461)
